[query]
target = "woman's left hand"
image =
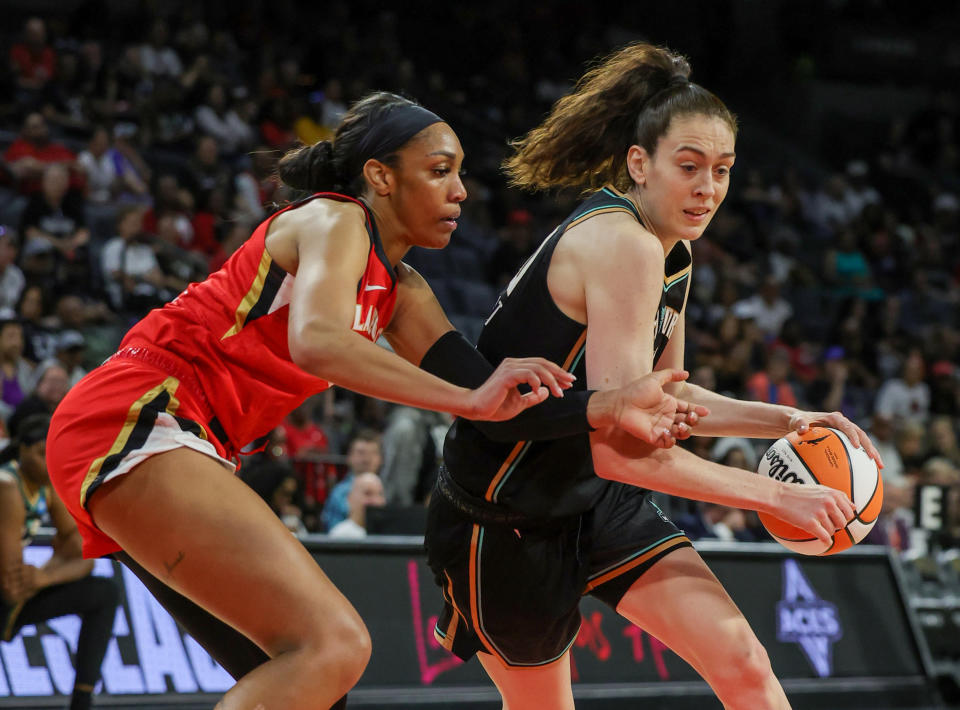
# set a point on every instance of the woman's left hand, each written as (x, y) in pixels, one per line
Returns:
(801, 421)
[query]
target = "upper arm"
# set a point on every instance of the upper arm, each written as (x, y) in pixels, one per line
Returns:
(623, 284)
(418, 319)
(332, 245)
(67, 541)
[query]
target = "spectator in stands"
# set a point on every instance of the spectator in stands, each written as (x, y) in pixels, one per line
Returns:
(218, 120)
(109, 173)
(33, 61)
(132, 275)
(308, 447)
(33, 151)
(275, 482)
(63, 585)
(364, 455)
(771, 384)
(517, 241)
(412, 440)
(157, 57)
(54, 221)
(11, 277)
(205, 171)
(16, 374)
(944, 389)
(768, 309)
(71, 347)
(906, 398)
(366, 491)
(33, 312)
(943, 440)
(882, 435)
(51, 385)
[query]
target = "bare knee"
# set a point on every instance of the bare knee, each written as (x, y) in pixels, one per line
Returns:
(743, 664)
(341, 648)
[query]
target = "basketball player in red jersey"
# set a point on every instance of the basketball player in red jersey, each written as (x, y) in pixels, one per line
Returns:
(142, 450)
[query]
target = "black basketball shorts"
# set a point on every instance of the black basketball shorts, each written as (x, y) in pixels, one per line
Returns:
(515, 593)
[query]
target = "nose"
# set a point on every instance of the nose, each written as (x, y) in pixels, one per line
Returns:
(705, 186)
(459, 191)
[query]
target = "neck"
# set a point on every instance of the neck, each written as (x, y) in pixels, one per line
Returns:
(30, 486)
(393, 235)
(636, 195)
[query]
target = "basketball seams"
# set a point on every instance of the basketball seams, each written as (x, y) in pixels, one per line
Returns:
(853, 490)
(802, 461)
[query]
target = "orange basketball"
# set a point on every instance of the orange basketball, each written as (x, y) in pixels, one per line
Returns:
(825, 456)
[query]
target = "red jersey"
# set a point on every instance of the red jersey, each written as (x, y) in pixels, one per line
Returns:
(231, 330)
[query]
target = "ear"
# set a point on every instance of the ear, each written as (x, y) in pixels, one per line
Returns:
(379, 176)
(638, 162)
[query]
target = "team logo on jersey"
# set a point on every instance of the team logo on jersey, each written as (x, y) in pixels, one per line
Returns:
(667, 321)
(804, 618)
(366, 319)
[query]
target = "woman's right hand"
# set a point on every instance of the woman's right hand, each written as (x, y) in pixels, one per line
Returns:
(498, 399)
(820, 510)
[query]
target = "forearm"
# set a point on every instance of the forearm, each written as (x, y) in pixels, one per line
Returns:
(59, 570)
(736, 417)
(675, 471)
(453, 358)
(349, 360)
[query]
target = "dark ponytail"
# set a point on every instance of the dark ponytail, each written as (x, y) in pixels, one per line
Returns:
(628, 98)
(376, 126)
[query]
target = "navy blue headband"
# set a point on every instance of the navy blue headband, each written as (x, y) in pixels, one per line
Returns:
(394, 128)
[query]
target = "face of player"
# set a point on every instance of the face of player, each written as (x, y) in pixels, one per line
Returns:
(687, 178)
(429, 188)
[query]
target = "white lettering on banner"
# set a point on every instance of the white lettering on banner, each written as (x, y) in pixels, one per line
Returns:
(118, 677)
(158, 641)
(58, 655)
(41, 664)
(931, 508)
(24, 678)
(804, 618)
(210, 674)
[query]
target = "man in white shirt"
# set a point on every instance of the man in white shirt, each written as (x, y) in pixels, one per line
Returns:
(906, 398)
(11, 277)
(367, 490)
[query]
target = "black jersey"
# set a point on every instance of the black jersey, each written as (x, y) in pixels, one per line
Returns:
(548, 478)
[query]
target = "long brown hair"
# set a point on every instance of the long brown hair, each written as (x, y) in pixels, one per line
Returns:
(628, 98)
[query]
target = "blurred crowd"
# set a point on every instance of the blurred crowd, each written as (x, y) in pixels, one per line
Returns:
(137, 151)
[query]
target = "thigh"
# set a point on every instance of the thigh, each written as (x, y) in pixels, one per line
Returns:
(681, 602)
(545, 686)
(197, 528)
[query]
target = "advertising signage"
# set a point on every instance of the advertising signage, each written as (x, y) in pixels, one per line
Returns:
(820, 619)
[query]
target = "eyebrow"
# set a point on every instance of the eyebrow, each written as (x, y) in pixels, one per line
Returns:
(700, 152)
(445, 153)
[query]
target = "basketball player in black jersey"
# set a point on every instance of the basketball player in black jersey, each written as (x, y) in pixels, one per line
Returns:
(519, 530)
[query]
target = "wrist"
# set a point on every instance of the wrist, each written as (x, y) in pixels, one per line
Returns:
(602, 409)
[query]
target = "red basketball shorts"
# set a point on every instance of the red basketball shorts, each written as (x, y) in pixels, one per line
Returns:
(115, 418)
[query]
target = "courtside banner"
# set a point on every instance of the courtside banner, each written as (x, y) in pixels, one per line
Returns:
(820, 619)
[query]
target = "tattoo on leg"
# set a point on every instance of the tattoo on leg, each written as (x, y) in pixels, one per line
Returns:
(172, 565)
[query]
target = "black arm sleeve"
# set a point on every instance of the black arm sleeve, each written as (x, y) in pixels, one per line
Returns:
(455, 360)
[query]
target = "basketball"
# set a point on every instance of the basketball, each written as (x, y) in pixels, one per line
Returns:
(825, 456)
